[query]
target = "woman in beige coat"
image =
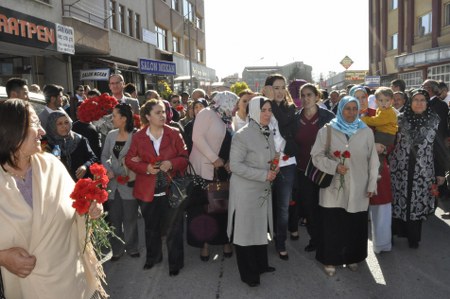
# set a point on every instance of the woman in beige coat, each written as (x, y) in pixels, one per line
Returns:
(250, 206)
(343, 205)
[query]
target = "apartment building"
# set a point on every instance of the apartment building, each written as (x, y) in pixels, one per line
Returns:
(409, 39)
(71, 42)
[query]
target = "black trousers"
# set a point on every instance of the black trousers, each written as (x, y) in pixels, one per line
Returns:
(161, 220)
(252, 261)
(307, 204)
(411, 229)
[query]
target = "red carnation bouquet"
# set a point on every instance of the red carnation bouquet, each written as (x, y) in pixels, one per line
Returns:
(95, 108)
(342, 156)
(137, 121)
(86, 192)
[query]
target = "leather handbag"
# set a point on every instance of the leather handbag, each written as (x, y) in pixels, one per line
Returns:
(320, 178)
(218, 193)
(182, 185)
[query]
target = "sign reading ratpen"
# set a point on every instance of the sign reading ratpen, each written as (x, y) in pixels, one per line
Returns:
(19, 28)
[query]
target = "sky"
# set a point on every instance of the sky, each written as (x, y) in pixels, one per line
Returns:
(320, 33)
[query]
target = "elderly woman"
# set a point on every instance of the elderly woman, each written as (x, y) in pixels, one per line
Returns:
(157, 151)
(250, 207)
(415, 167)
(380, 208)
(123, 207)
(42, 237)
(343, 205)
(211, 137)
(76, 154)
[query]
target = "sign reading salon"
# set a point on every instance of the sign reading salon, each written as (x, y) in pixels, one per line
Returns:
(157, 67)
(94, 75)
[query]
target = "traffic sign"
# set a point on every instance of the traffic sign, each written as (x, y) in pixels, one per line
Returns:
(346, 62)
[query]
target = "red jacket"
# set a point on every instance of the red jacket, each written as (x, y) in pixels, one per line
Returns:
(172, 148)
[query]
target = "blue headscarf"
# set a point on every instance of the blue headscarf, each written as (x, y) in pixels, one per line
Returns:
(339, 122)
(355, 88)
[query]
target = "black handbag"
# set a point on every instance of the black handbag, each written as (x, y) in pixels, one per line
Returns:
(2, 290)
(320, 178)
(181, 186)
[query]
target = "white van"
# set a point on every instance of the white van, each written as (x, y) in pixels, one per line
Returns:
(36, 99)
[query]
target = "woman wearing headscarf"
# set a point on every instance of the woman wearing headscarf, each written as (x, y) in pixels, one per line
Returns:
(250, 206)
(415, 167)
(380, 208)
(343, 205)
(211, 137)
(284, 126)
(76, 154)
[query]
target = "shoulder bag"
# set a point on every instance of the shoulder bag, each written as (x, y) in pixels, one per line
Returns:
(320, 178)
(182, 185)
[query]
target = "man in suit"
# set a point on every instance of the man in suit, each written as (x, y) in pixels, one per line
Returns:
(332, 102)
(399, 101)
(116, 85)
(438, 106)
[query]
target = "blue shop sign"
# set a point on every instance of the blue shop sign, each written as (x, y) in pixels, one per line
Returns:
(148, 66)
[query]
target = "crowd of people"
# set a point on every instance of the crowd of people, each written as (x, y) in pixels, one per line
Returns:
(386, 150)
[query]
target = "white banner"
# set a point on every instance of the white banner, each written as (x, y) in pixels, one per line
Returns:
(94, 75)
(65, 39)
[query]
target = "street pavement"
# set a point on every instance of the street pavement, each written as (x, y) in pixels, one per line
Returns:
(401, 273)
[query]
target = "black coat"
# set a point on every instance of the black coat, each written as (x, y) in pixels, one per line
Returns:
(285, 115)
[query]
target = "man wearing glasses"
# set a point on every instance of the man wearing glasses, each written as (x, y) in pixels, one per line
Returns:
(116, 85)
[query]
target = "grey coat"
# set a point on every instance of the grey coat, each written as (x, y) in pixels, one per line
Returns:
(115, 165)
(250, 197)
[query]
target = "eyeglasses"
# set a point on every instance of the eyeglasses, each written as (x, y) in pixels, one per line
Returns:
(35, 124)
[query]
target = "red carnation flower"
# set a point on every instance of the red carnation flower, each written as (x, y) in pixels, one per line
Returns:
(123, 179)
(179, 108)
(97, 170)
(292, 203)
(137, 120)
(285, 157)
(337, 154)
(346, 154)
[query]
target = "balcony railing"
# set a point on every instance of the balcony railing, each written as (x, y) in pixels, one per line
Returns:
(84, 15)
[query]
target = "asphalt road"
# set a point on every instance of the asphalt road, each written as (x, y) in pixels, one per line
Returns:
(401, 273)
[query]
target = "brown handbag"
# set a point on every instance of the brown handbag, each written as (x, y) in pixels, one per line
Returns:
(217, 196)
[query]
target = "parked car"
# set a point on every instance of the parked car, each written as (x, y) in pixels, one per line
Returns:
(36, 99)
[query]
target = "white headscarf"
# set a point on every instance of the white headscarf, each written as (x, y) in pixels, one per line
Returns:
(224, 104)
(255, 106)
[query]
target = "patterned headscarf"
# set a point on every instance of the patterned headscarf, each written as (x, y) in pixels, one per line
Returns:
(254, 111)
(418, 120)
(339, 122)
(224, 103)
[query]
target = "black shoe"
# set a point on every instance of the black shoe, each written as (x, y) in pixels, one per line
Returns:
(149, 264)
(268, 270)
(252, 284)
(228, 254)
(295, 237)
(135, 255)
(413, 244)
(310, 248)
(174, 272)
(204, 258)
(284, 257)
(115, 258)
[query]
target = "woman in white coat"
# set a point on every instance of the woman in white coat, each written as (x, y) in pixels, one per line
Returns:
(343, 216)
(250, 202)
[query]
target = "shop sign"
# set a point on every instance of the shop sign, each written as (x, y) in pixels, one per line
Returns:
(355, 75)
(372, 81)
(65, 38)
(157, 67)
(346, 62)
(94, 75)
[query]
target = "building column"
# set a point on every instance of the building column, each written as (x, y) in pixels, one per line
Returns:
(377, 36)
(384, 35)
(435, 22)
(410, 25)
(401, 27)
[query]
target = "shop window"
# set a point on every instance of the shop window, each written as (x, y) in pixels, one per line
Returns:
(425, 24)
(161, 37)
(412, 79)
(439, 73)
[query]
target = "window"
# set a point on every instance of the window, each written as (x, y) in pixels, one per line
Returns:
(412, 79)
(176, 5)
(130, 22)
(137, 26)
(161, 38)
(199, 23)
(393, 4)
(112, 15)
(439, 73)
(425, 24)
(199, 55)
(188, 11)
(394, 42)
(121, 18)
(447, 14)
(176, 44)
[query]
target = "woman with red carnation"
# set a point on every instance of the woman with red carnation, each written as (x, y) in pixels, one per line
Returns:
(156, 152)
(123, 207)
(42, 236)
(343, 216)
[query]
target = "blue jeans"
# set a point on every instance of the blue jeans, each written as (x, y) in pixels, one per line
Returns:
(282, 194)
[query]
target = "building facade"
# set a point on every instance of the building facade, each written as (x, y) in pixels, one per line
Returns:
(255, 76)
(410, 40)
(108, 36)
